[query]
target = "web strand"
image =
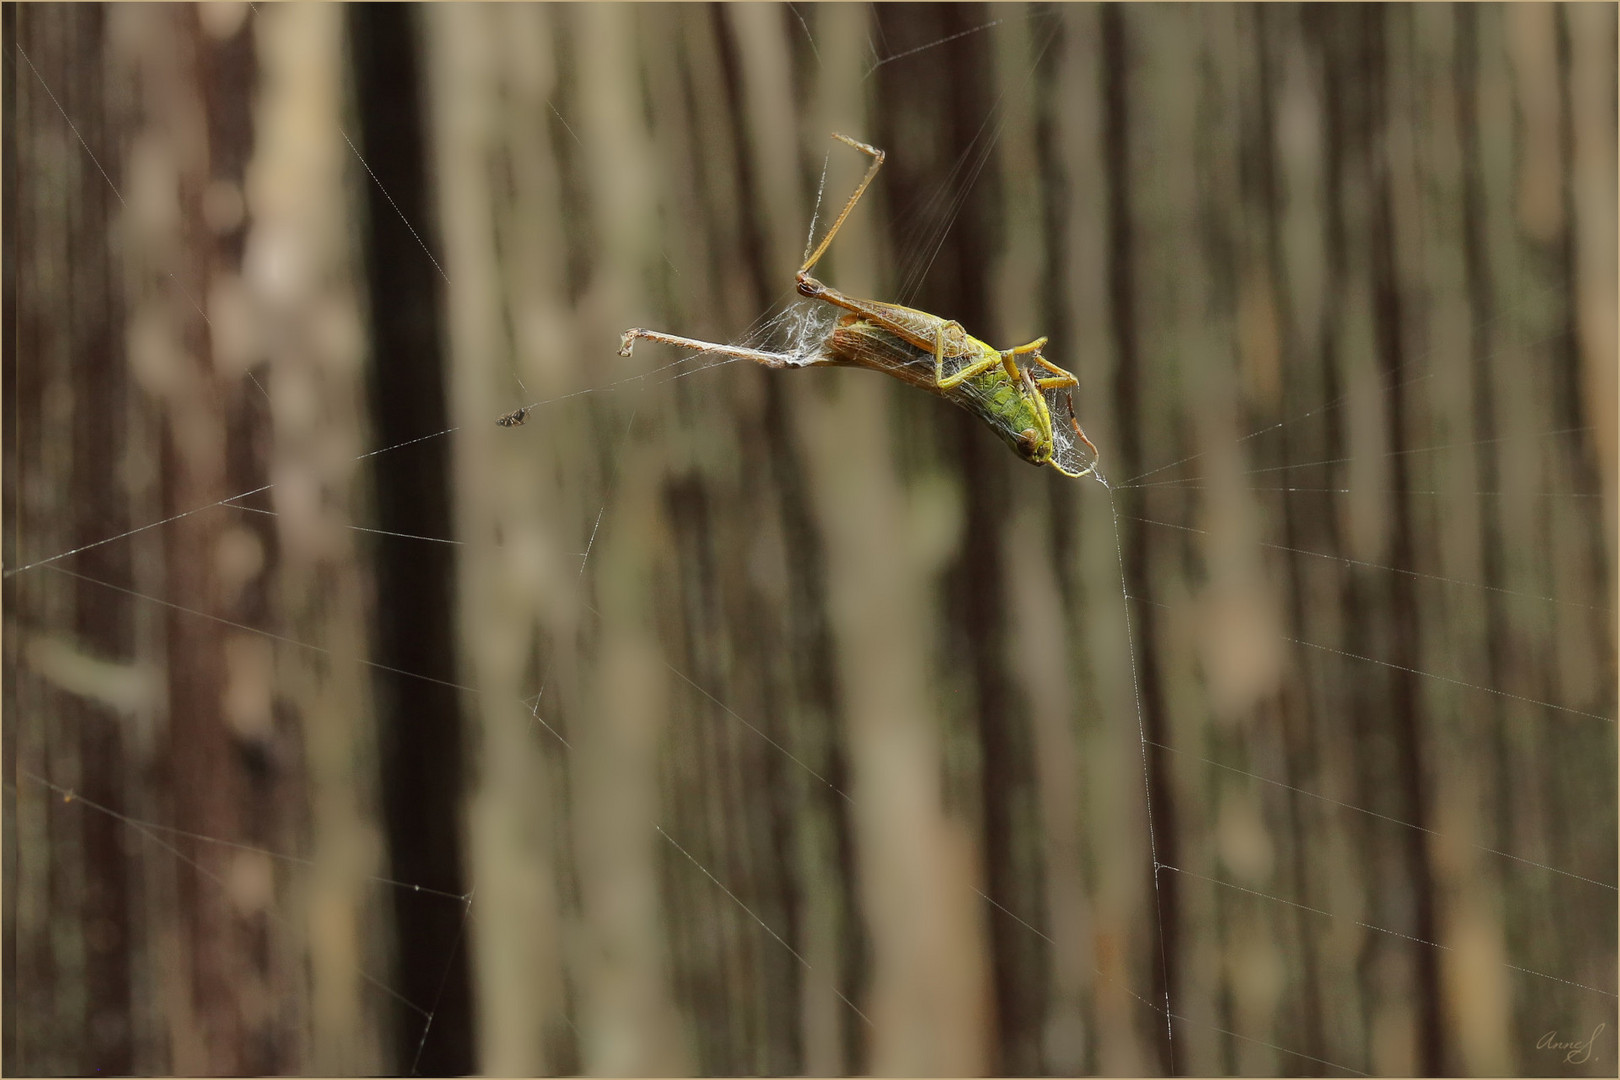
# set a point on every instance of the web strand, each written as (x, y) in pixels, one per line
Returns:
(272, 635)
(1414, 939)
(1367, 565)
(1385, 386)
(1339, 803)
(1199, 486)
(1583, 429)
(230, 499)
(73, 796)
(1453, 681)
(151, 836)
(1147, 782)
(947, 39)
(1521, 698)
(72, 126)
(584, 559)
(418, 236)
(284, 639)
(444, 980)
(763, 924)
(352, 528)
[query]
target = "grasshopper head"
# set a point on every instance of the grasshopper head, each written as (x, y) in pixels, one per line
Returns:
(1032, 448)
(1034, 443)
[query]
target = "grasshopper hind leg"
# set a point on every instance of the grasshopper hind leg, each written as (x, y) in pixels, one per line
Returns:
(627, 343)
(877, 157)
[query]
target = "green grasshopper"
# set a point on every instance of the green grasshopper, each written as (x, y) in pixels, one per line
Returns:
(1029, 406)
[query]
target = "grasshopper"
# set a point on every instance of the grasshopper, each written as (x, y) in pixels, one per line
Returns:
(1027, 404)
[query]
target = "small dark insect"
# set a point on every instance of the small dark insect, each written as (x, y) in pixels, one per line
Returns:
(515, 418)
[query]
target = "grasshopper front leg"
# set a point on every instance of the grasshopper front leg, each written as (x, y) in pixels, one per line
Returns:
(1059, 378)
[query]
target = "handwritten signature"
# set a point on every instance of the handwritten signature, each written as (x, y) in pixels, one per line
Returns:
(1575, 1052)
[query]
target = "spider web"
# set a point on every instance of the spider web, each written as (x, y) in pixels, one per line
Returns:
(791, 330)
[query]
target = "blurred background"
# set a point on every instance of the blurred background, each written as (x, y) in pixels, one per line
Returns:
(729, 721)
